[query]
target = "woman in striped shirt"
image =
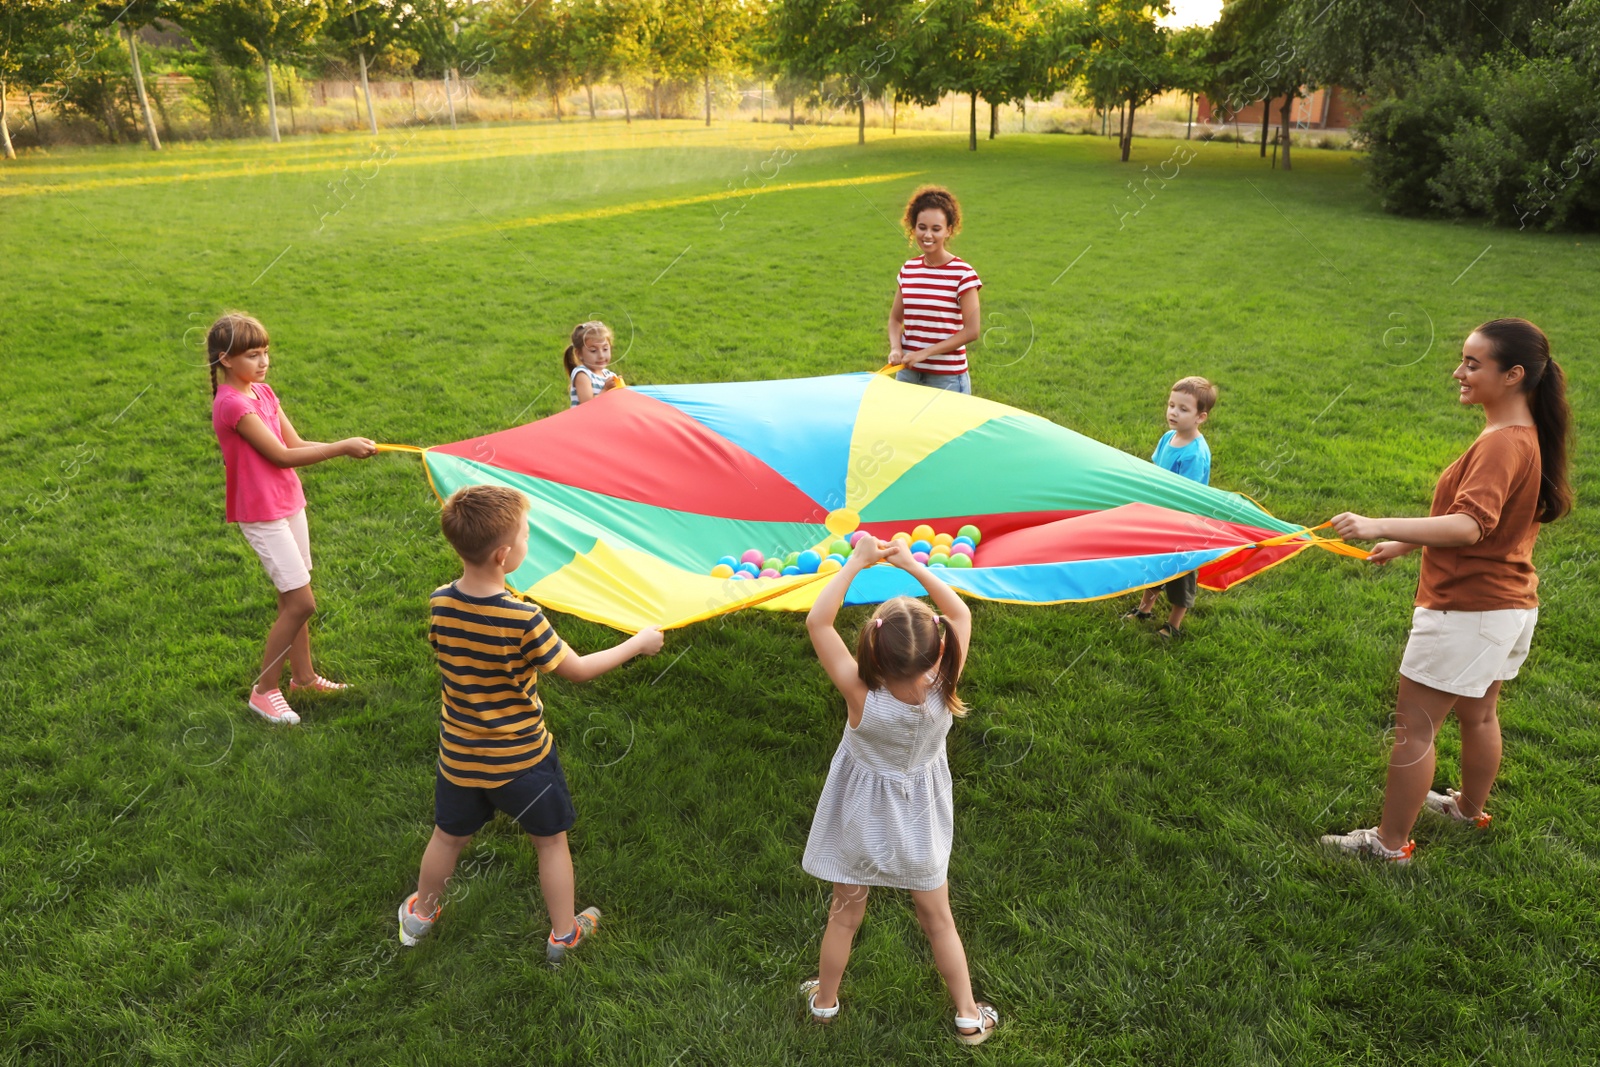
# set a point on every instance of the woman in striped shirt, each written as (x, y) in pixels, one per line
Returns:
(935, 309)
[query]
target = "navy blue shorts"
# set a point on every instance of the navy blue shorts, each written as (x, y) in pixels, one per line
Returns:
(538, 801)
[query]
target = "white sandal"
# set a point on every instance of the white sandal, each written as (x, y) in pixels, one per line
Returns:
(984, 1025)
(808, 989)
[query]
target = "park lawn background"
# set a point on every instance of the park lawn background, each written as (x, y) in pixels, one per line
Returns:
(1136, 873)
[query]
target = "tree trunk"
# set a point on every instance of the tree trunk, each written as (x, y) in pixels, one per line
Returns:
(1127, 137)
(1288, 102)
(791, 113)
(1023, 107)
(1188, 131)
(38, 135)
(1122, 121)
(589, 88)
(861, 119)
(706, 80)
(894, 113)
(272, 103)
(450, 97)
(1266, 118)
(5, 128)
(555, 98)
(627, 116)
(972, 124)
(366, 93)
(144, 101)
(655, 98)
(994, 119)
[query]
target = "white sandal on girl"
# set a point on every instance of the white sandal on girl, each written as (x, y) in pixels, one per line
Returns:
(984, 1025)
(808, 989)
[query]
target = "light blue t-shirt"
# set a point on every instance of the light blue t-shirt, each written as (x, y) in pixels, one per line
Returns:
(1193, 460)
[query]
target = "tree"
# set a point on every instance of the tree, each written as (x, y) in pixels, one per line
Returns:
(535, 41)
(949, 42)
(435, 29)
(260, 32)
(850, 43)
(129, 18)
(367, 29)
(1125, 58)
(1259, 47)
(704, 37)
(35, 48)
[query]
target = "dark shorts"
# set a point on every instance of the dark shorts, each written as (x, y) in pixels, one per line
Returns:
(538, 801)
(1180, 591)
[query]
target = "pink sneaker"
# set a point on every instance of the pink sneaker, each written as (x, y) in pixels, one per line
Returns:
(272, 707)
(319, 684)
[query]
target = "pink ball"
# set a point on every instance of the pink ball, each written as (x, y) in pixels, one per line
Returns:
(755, 556)
(858, 535)
(920, 557)
(770, 573)
(961, 550)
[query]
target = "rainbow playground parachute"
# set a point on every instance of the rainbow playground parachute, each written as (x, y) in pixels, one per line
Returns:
(638, 494)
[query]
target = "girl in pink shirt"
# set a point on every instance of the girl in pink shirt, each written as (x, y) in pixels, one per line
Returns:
(260, 450)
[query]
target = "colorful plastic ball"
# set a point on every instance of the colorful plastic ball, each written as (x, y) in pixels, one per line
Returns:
(960, 562)
(938, 564)
(969, 542)
(721, 570)
(942, 539)
(970, 531)
(790, 571)
(854, 537)
(959, 549)
(808, 562)
(772, 563)
(791, 558)
(771, 573)
(837, 558)
(741, 576)
(920, 557)
(754, 555)
(840, 548)
(939, 552)
(749, 568)
(923, 532)
(921, 546)
(829, 565)
(728, 562)
(902, 536)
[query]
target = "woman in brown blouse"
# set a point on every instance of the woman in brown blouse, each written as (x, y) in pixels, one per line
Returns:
(1476, 602)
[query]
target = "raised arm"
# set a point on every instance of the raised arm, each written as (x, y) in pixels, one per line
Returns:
(300, 453)
(945, 600)
(576, 668)
(831, 649)
(1439, 531)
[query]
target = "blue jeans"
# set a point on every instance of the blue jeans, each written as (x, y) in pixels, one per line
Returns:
(956, 383)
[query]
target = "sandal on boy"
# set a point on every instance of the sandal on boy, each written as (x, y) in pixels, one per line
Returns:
(808, 989)
(1169, 631)
(1138, 614)
(981, 1027)
(1448, 803)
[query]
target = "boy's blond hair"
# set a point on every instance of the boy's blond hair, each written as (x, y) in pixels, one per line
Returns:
(477, 519)
(1204, 393)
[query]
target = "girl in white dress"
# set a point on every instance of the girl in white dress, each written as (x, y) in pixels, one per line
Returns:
(885, 817)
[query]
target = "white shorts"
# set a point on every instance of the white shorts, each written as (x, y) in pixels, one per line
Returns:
(1465, 652)
(284, 546)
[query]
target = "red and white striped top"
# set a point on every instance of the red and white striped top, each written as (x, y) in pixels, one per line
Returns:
(931, 297)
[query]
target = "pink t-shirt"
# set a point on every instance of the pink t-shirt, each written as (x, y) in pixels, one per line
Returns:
(258, 489)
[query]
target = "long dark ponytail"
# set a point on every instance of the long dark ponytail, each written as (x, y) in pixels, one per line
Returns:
(1519, 343)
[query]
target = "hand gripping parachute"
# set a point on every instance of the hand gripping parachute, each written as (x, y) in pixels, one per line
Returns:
(638, 493)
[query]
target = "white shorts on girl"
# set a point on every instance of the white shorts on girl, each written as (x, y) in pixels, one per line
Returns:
(1465, 652)
(284, 546)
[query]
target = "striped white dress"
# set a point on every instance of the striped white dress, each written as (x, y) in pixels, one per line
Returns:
(597, 381)
(886, 817)
(931, 300)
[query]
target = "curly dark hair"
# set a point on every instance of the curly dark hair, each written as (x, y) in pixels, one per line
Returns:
(933, 198)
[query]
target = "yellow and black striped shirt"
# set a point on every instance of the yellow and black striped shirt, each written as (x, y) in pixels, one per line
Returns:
(491, 651)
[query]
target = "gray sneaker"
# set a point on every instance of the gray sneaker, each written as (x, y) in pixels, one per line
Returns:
(584, 927)
(413, 927)
(1366, 842)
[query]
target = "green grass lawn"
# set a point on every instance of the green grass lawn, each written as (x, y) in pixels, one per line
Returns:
(1136, 873)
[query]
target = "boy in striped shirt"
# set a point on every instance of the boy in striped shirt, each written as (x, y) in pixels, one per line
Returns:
(494, 750)
(935, 311)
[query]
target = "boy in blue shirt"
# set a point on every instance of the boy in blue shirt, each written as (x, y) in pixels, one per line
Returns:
(1181, 450)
